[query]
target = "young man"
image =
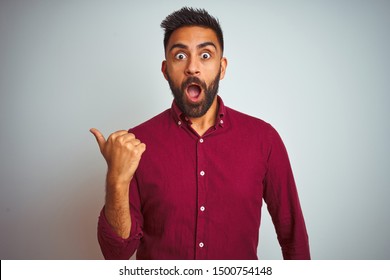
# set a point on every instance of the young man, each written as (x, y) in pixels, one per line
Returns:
(189, 183)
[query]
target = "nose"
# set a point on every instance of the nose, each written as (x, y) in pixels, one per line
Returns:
(193, 67)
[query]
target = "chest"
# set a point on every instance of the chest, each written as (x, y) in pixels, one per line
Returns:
(179, 171)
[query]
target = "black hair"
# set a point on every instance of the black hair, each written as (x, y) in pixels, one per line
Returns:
(190, 17)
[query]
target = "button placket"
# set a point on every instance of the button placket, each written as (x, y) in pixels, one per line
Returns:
(201, 198)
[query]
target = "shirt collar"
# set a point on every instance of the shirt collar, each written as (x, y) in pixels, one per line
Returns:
(180, 118)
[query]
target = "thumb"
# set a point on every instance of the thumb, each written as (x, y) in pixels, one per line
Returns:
(99, 138)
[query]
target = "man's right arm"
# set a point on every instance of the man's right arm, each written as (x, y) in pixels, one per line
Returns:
(117, 208)
(122, 152)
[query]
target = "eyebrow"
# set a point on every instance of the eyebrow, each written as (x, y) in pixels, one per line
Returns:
(200, 46)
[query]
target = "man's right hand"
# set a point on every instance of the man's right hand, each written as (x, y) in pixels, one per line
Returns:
(122, 152)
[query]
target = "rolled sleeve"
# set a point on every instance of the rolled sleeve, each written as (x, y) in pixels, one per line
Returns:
(113, 246)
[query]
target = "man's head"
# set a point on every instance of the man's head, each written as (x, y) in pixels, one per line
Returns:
(194, 62)
(190, 17)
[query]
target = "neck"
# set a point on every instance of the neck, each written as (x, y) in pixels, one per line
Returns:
(203, 123)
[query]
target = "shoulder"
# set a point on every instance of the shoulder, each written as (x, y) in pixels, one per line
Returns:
(245, 120)
(252, 126)
(154, 124)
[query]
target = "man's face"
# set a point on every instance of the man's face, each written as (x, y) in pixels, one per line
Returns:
(193, 67)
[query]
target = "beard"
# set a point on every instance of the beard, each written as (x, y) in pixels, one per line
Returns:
(195, 110)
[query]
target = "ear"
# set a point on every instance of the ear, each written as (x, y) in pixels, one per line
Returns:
(224, 64)
(164, 69)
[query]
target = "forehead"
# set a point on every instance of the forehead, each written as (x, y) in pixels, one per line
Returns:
(193, 36)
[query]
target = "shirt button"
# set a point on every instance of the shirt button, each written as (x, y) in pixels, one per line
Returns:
(179, 123)
(202, 208)
(201, 244)
(202, 173)
(221, 121)
(201, 140)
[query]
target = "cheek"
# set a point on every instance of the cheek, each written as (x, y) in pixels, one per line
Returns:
(212, 72)
(175, 74)
(176, 69)
(212, 69)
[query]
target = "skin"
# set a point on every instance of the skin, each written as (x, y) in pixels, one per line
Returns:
(195, 51)
(191, 51)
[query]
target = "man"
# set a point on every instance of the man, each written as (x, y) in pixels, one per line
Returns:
(189, 183)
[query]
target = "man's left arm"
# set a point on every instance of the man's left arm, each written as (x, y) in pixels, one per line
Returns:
(281, 197)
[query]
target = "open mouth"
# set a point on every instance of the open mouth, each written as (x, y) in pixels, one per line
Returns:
(193, 92)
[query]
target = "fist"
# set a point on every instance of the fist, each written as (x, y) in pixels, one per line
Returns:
(122, 152)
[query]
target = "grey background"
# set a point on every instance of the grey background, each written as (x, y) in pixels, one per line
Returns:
(316, 70)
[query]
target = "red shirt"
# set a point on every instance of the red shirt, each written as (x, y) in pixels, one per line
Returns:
(198, 197)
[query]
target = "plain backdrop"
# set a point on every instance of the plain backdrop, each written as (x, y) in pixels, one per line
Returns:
(318, 71)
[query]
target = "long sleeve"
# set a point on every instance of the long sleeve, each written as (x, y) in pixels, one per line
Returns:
(281, 197)
(113, 246)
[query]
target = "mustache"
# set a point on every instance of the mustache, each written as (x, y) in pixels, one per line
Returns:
(193, 80)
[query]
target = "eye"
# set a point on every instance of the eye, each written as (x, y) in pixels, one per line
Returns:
(205, 55)
(180, 56)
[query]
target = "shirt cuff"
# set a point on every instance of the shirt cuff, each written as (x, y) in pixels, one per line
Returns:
(112, 245)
